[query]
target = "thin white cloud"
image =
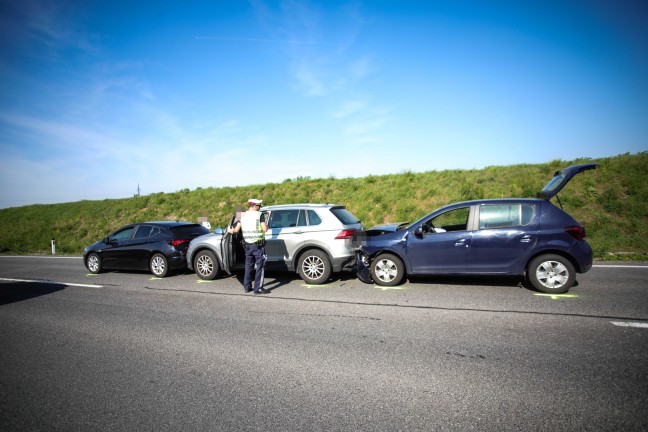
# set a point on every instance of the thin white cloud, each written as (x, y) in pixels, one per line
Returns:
(319, 67)
(350, 108)
(51, 24)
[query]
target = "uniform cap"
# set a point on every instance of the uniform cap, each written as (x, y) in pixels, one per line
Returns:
(255, 201)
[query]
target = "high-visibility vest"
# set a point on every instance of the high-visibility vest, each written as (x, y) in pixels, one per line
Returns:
(251, 226)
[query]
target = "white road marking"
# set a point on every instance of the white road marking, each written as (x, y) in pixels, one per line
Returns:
(629, 324)
(51, 282)
(40, 256)
(619, 266)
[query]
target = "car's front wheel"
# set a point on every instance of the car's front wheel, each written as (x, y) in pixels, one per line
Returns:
(387, 270)
(159, 265)
(314, 267)
(552, 274)
(94, 263)
(206, 265)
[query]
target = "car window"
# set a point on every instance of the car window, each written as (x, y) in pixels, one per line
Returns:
(313, 218)
(453, 220)
(505, 215)
(345, 216)
(124, 234)
(284, 218)
(143, 231)
(188, 231)
(301, 219)
(528, 211)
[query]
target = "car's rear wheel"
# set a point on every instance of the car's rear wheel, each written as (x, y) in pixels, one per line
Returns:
(94, 263)
(552, 274)
(387, 270)
(206, 265)
(159, 265)
(314, 267)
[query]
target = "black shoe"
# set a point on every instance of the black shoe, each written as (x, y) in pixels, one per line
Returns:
(247, 290)
(261, 291)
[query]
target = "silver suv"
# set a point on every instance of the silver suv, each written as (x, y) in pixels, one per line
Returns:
(312, 239)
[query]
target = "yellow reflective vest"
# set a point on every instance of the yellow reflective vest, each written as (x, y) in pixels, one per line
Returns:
(251, 226)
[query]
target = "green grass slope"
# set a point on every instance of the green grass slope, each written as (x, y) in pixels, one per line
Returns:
(612, 203)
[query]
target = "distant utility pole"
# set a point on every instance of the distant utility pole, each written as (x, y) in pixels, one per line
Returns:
(138, 190)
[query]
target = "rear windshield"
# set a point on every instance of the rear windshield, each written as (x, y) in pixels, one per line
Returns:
(345, 216)
(189, 231)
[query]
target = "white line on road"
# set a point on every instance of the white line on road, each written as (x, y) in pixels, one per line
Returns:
(629, 324)
(620, 266)
(40, 256)
(51, 282)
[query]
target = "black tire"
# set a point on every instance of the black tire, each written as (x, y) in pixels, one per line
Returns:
(387, 270)
(159, 265)
(551, 274)
(94, 263)
(314, 267)
(206, 265)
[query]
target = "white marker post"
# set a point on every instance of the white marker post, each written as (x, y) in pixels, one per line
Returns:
(53, 246)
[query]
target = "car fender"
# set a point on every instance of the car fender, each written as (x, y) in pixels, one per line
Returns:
(399, 251)
(387, 244)
(208, 241)
(308, 246)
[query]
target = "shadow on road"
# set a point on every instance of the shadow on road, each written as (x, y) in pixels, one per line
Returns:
(477, 280)
(12, 292)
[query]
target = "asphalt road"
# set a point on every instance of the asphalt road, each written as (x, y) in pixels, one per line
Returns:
(128, 352)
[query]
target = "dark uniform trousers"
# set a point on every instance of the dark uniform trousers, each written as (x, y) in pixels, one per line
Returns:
(254, 255)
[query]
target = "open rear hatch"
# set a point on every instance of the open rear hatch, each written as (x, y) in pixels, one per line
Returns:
(561, 178)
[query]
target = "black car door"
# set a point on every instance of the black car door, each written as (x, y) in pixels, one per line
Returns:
(116, 254)
(138, 249)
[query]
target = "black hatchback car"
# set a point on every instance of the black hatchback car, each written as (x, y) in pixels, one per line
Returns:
(155, 246)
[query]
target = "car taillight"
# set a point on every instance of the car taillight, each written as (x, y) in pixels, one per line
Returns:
(345, 234)
(577, 232)
(176, 243)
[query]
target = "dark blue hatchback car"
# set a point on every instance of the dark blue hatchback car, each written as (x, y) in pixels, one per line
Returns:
(513, 236)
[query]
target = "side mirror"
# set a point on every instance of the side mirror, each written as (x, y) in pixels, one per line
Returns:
(418, 232)
(219, 231)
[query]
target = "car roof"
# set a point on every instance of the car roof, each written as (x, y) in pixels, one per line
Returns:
(300, 206)
(168, 224)
(493, 201)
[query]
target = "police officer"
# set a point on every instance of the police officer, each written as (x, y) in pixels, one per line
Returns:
(254, 228)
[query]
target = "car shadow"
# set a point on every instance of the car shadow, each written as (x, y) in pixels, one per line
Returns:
(509, 281)
(13, 292)
(281, 278)
(477, 280)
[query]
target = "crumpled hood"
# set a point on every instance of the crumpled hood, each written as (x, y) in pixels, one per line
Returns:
(385, 228)
(362, 237)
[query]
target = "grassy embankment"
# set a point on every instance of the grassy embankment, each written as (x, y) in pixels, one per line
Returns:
(612, 203)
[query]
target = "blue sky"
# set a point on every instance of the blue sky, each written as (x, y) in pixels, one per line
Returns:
(98, 97)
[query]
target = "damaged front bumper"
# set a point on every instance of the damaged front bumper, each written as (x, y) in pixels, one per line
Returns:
(363, 271)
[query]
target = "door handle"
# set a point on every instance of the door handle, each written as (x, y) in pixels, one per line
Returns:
(526, 239)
